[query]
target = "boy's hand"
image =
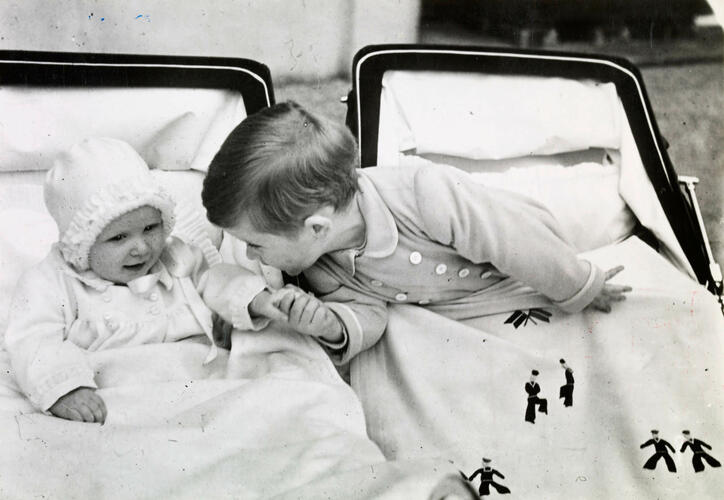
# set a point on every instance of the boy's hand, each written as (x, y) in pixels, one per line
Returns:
(610, 293)
(81, 405)
(266, 304)
(309, 316)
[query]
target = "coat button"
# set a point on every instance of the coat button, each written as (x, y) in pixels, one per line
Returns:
(376, 283)
(153, 297)
(464, 272)
(106, 297)
(486, 275)
(107, 317)
(424, 301)
(415, 257)
(401, 297)
(440, 269)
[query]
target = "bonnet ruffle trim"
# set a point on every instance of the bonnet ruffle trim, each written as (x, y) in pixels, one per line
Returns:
(107, 204)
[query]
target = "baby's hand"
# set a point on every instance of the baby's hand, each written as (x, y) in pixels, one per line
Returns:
(266, 304)
(81, 405)
(309, 316)
(610, 293)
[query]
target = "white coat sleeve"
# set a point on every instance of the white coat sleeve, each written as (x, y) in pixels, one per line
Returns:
(46, 365)
(515, 234)
(364, 318)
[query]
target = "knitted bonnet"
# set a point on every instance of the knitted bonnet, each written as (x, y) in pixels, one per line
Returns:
(96, 181)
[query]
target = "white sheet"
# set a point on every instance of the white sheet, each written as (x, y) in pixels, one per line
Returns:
(436, 388)
(270, 420)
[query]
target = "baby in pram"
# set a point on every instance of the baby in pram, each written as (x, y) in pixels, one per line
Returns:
(116, 279)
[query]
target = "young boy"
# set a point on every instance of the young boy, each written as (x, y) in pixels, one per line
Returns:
(286, 182)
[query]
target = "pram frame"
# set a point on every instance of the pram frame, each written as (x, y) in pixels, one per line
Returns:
(363, 108)
(64, 69)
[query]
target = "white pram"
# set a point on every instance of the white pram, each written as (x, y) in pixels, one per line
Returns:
(270, 418)
(576, 133)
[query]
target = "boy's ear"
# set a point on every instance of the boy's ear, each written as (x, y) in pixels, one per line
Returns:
(319, 223)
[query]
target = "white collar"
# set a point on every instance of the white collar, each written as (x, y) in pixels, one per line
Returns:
(157, 274)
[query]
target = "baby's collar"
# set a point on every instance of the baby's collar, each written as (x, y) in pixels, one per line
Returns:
(157, 274)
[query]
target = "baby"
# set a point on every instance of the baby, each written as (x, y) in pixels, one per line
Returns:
(114, 279)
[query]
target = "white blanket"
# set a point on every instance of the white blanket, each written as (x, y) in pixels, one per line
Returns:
(271, 419)
(436, 388)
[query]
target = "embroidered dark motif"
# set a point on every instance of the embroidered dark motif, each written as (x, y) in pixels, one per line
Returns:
(696, 445)
(486, 479)
(519, 318)
(532, 389)
(566, 392)
(660, 445)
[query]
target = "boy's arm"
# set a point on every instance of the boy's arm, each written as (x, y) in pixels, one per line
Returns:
(518, 236)
(363, 319)
(46, 365)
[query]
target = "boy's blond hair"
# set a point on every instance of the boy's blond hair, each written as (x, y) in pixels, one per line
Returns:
(278, 167)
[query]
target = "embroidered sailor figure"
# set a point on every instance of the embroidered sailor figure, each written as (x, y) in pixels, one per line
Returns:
(566, 391)
(699, 454)
(486, 479)
(660, 445)
(532, 389)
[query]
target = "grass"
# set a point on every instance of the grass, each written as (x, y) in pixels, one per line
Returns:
(688, 103)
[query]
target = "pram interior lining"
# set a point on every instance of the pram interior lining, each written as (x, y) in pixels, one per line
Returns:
(545, 126)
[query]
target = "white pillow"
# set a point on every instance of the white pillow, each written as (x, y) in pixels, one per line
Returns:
(175, 127)
(185, 187)
(584, 198)
(174, 146)
(492, 117)
(25, 239)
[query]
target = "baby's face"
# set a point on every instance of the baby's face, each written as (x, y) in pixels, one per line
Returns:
(128, 246)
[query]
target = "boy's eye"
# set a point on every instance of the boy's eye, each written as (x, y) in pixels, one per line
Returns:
(151, 227)
(118, 237)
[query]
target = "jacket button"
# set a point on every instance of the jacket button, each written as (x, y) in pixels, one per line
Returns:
(464, 272)
(486, 275)
(440, 269)
(153, 297)
(415, 257)
(376, 283)
(106, 297)
(107, 317)
(401, 297)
